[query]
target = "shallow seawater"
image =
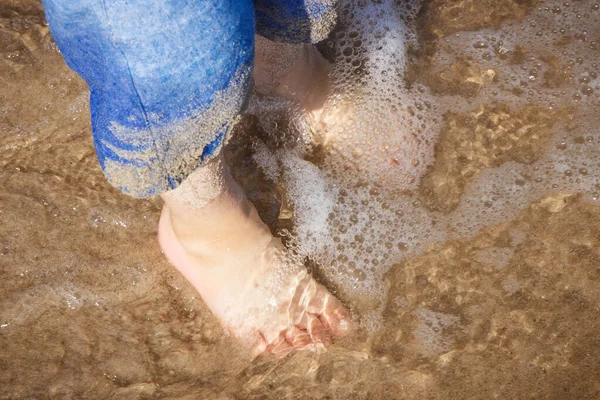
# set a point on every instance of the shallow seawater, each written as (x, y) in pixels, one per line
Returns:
(472, 271)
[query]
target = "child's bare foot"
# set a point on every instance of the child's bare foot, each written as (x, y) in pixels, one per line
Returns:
(298, 72)
(395, 156)
(212, 234)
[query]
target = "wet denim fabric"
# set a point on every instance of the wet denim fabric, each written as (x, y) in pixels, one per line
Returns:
(157, 68)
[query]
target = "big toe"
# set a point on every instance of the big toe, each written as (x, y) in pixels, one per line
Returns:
(335, 317)
(330, 311)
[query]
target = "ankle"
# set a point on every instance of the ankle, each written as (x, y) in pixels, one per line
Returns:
(210, 215)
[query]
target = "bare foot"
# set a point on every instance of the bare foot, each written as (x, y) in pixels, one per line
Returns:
(298, 72)
(212, 234)
(397, 153)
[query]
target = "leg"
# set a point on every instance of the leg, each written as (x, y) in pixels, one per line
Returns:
(164, 93)
(297, 72)
(287, 64)
(167, 81)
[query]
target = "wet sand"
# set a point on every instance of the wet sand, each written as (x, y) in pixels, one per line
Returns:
(90, 309)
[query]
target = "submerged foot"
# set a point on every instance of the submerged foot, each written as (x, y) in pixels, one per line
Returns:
(299, 73)
(261, 294)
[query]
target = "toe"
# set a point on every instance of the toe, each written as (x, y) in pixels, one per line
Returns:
(298, 338)
(319, 335)
(281, 346)
(319, 332)
(260, 345)
(336, 318)
(330, 311)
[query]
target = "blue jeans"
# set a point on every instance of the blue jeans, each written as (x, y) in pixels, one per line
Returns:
(168, 79)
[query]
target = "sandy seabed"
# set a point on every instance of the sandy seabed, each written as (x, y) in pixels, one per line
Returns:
(90, 309)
